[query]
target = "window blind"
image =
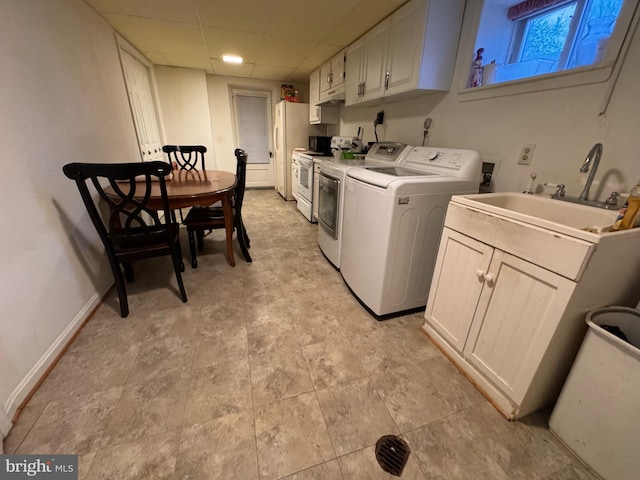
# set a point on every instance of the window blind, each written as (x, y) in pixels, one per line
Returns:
(253, 131)
(528, 7)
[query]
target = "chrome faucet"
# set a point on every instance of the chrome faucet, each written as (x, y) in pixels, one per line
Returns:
(590, 165)
(593, 157)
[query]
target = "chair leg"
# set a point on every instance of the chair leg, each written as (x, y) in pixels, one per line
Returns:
(246, 237)
(200, 236)
(176, 267)
(179, 252)
(242, 236)
(243, 248)
(128, 271)
(120, 287)
(192, 249)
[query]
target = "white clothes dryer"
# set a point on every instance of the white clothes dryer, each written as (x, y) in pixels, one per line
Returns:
(392, 221)
(331, 193)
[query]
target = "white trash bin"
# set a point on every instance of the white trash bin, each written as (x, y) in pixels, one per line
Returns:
(597, 415)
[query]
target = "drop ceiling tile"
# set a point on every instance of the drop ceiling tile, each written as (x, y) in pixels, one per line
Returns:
(299, 75)
(282, 52)
(188, 61)
(318, 55)
(129, 30)
(170, 10)
(173, 38)
(221, 42)
(336, 7)
(106, 6)
(243, 15)
(157, 58)
(270, 72)
(231, 70)
(310, 24)
(364, 17)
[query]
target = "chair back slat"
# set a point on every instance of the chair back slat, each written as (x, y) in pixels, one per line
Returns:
(129, 218)
(241, 177)
(187, 157)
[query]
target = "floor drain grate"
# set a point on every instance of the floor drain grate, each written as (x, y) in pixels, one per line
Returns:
(392, 453)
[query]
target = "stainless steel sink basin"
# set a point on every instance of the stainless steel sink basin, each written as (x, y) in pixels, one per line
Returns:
(569, 218)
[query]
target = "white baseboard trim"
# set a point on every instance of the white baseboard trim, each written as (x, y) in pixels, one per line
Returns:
(5, 426)
(42, 365)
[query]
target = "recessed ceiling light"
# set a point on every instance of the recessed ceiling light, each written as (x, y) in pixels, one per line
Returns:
(231, 59)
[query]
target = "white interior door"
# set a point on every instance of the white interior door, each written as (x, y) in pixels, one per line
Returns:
(253, 124)
(145, 118)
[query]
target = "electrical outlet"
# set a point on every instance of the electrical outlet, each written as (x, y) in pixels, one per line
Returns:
(526, 154)
(380, 117)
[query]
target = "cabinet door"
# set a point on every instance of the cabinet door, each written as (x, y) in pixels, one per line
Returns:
(325, 77)
(337, 70)
(355, 59)
(314, 88)
(406, 34)
(374, 66)
(457, 282)
(314, 114)
(520, 307)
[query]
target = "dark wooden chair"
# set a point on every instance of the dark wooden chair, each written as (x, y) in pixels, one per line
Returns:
(131, 231)
(200, 220)
(186, 157)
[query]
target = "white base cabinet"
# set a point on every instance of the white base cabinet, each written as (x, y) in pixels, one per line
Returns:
(512, 325)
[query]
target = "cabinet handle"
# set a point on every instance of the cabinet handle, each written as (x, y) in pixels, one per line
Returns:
(386, 81)
(488, 278)
(480, 274)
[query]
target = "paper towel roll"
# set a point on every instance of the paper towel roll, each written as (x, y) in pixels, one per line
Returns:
(489, 72)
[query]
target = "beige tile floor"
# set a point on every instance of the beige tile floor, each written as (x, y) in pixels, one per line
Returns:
(271, 370)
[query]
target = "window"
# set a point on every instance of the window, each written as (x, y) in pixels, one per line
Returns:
(538, 37)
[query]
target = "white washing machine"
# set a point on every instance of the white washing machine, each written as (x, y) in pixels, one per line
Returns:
(331, 193)
(392, 221)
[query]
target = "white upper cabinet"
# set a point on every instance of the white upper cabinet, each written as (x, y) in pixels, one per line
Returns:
(354, 68)
(317, 113)
(408, 53)
(332, 79)
(314, 87)
(366, 66)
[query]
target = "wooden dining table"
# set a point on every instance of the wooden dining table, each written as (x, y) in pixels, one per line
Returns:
(188, 188)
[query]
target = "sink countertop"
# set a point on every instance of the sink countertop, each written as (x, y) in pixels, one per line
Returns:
(542, 211)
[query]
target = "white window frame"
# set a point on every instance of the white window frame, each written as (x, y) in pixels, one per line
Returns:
(605, 71)
(520, 29)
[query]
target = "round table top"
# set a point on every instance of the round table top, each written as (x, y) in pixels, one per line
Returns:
(194, 187)
(193, 184)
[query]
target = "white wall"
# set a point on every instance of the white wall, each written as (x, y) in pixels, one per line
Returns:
(564, 123)
(184, 106)
(62, 99)
(219, 89)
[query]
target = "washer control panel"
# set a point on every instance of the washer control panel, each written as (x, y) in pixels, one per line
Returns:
(386, 152)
